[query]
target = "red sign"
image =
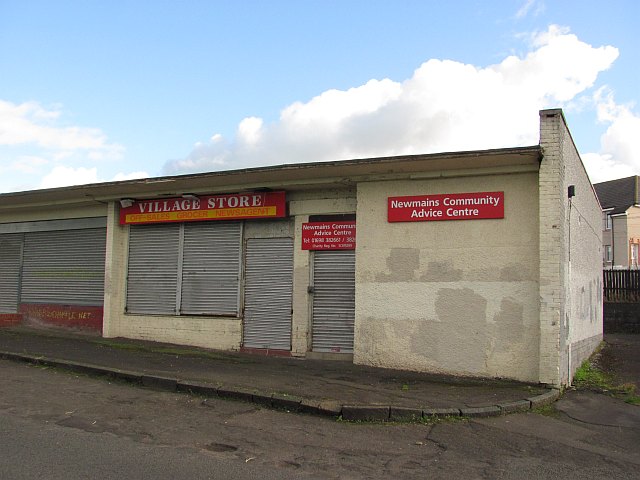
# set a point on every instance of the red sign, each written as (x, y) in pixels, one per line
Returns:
(451, 206)
(235, 206)
(329, 235)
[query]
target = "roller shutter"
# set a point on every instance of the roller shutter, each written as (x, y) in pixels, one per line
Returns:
(211, 268)
(268, 292)
(191, 269)
(153, 268)
(10, 260)
(333, 301)
(64, 267)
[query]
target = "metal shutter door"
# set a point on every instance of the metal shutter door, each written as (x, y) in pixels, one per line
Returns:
(10, 259)
(333, 301)
(268, 292)
(211, 268)
(153, 268)
(64, 267)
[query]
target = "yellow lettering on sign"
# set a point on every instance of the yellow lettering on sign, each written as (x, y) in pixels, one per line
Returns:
(269, 211)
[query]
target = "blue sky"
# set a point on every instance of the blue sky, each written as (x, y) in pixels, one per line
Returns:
(108, 90)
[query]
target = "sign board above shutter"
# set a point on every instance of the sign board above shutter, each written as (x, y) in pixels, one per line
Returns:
(234, 206)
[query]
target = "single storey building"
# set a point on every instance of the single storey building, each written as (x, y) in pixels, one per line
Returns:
(483, 263)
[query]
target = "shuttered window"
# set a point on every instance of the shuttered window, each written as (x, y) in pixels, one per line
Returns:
(64, 267)
(211, 268)
(187, 268)
(10, 260)
(153, 268)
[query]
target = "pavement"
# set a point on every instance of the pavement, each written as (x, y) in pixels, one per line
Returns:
(322, 387)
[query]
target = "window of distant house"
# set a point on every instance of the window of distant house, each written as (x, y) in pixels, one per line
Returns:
(607, 253)
(634, 254)
(607, 221)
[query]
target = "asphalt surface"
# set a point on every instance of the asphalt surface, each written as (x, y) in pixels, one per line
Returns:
(314, 386)
(57, 424)
(62, 423)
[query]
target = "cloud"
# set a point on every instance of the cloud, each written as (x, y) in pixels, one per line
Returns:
(40, 151)
(62, 176)
(444, 106)
(30, 123)
(129, 176)
(619, 154)
(535, 6)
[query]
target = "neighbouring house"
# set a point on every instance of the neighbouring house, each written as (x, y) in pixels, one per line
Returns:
(620, 201)
(484, 263)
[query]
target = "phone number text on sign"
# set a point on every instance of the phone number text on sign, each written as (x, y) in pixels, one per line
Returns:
(329, 235)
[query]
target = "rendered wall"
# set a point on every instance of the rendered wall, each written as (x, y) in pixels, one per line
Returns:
(457, 297)
(620, 241)
(633, 230)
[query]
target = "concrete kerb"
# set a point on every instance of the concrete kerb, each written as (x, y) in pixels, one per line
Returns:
(77, 367)
(358, 413)
(546, 398)
(289, 402)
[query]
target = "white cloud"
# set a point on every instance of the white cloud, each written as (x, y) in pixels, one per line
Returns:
(535, 6)
(619, 154)
(39, 150)
(249, 131)
(28, 164)
(30, 123)
(445, 106)
(129, 176)
(62, 176)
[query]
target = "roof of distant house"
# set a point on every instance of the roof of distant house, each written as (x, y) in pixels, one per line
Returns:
(619, 194)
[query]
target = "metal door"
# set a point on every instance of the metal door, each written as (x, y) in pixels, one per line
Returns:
(333, 301)
(10, 261)
(268, 293)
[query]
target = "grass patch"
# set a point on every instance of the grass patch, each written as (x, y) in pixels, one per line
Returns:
(591, 376)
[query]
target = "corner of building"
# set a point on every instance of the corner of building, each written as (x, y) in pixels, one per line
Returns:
(570, 255)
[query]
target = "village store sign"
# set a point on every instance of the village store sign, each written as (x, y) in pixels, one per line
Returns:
(234, 206)
(329, 236)
(452, 206)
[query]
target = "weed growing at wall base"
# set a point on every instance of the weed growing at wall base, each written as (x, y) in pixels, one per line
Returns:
(591, 376)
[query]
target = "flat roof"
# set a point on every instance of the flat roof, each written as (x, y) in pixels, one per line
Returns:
(298, 175)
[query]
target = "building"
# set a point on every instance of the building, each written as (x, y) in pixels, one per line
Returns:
(482, 263)
(620, 201)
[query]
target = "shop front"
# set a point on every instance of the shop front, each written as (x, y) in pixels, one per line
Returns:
(470, 263)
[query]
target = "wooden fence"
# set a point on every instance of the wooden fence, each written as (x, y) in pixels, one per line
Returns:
(621, 285)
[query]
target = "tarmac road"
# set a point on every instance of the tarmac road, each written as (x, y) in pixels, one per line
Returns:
(59, 425)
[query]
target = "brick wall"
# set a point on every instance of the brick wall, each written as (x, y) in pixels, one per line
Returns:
(570, 255)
